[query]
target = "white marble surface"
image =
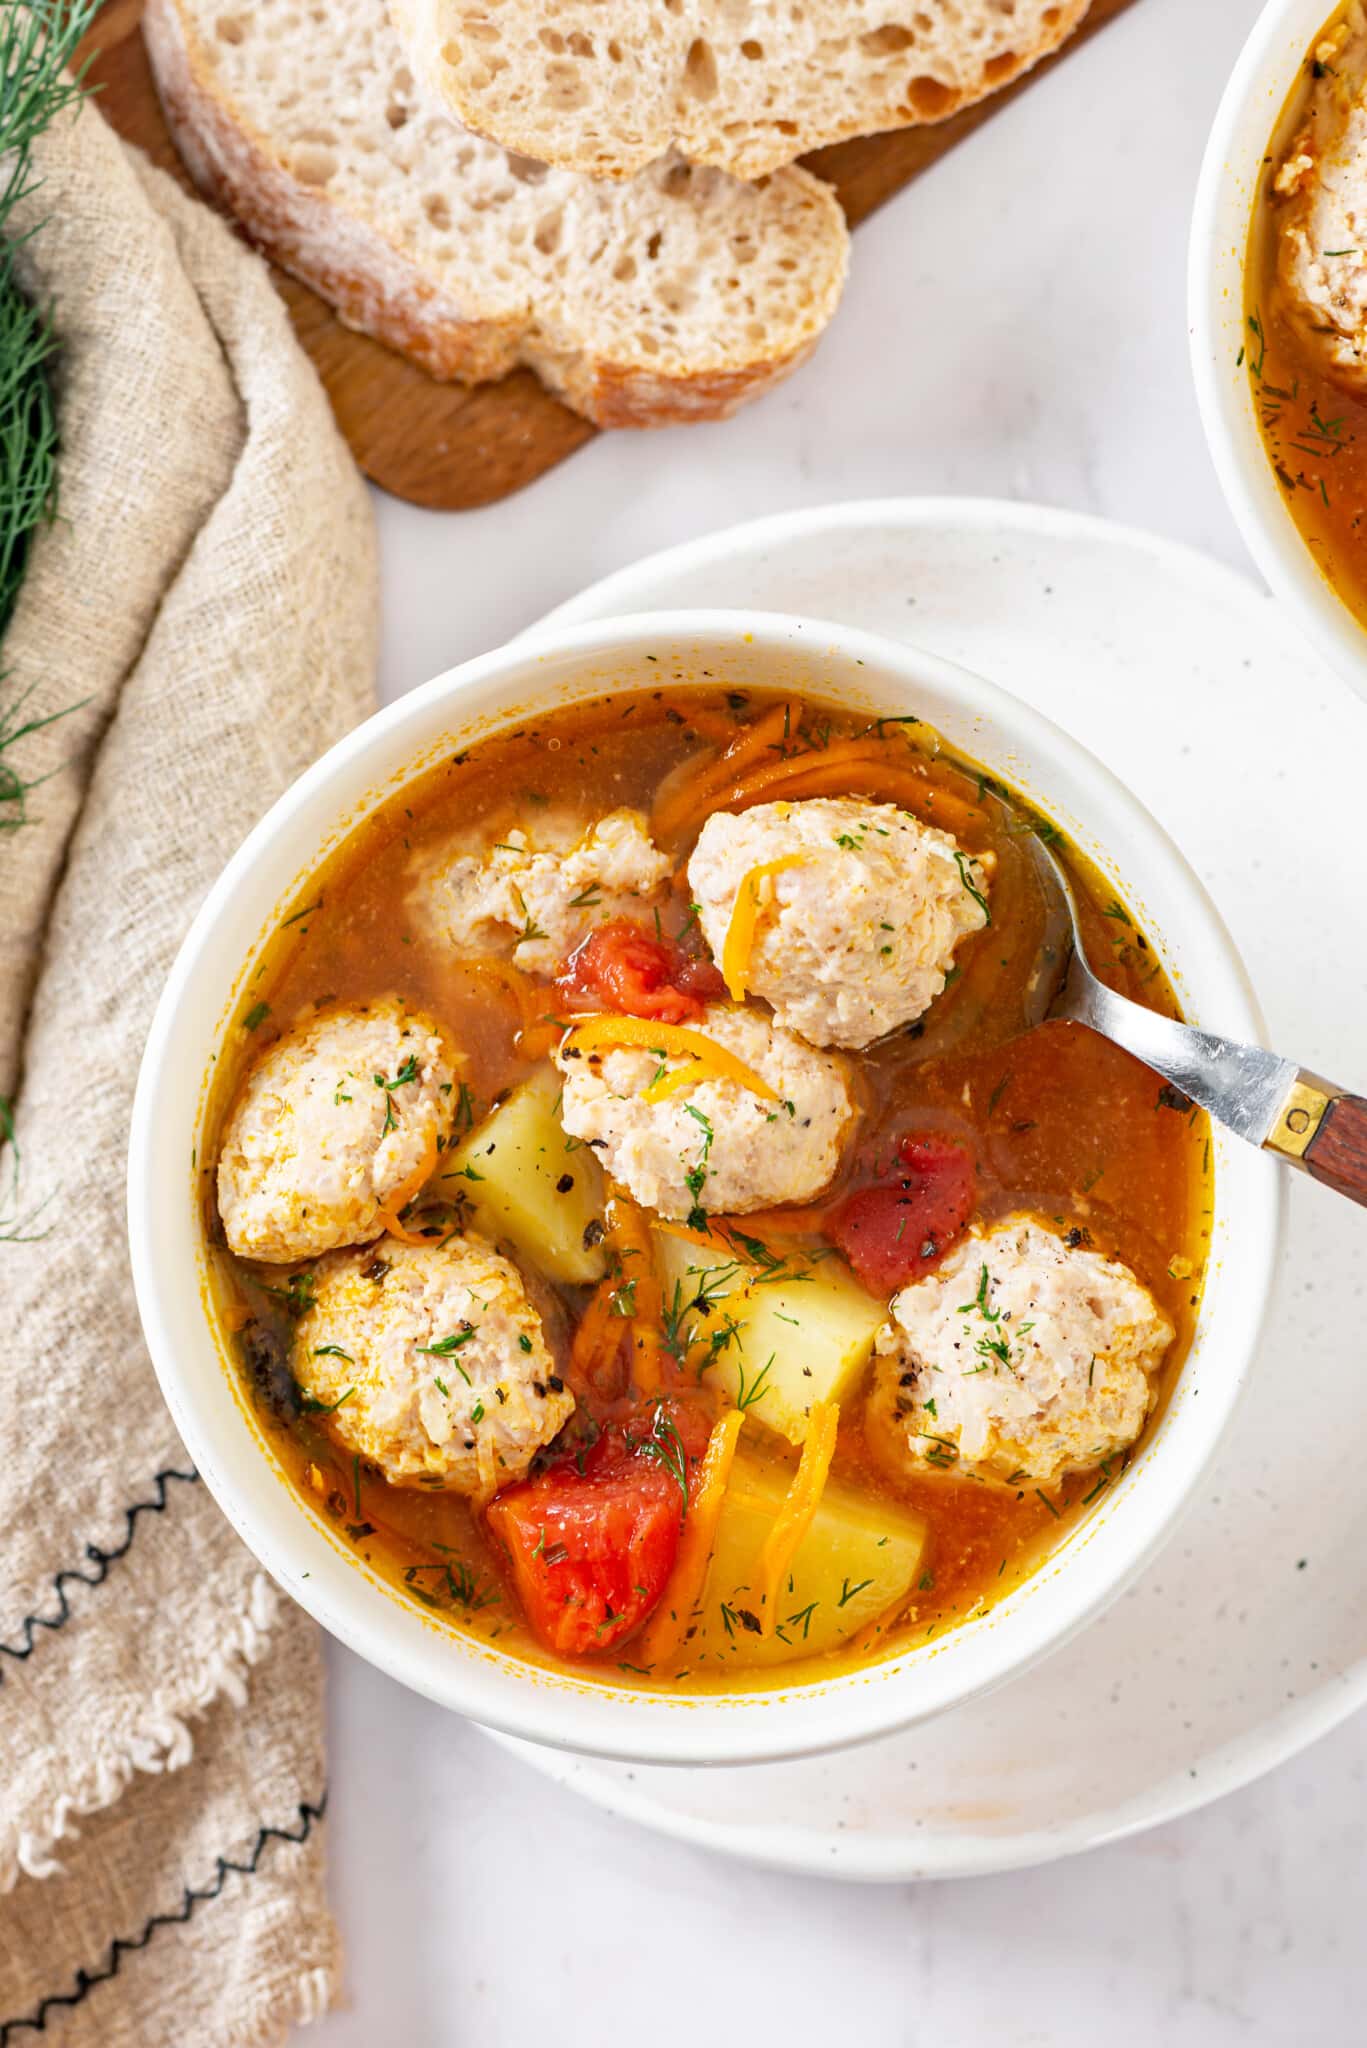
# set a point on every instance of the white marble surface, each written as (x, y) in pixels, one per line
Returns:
(1014, 327)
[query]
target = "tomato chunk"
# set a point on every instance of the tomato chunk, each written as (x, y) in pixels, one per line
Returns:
(698, 977)
(622, 966)
(592, 1540)
(896, 1230)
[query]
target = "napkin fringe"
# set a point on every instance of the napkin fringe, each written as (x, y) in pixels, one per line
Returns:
(314, 1991)
(161, 1740)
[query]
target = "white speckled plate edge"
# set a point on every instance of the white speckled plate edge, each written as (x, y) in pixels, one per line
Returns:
(1248, 1639)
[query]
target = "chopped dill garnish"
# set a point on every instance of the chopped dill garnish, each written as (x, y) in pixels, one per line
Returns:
(695, 1177)
(307, 911)
(964, 865)
(309, 1404)
(749, 1392)
(1255, 327)
(447, 1347)
(997, 1093)
(666, 1447)
(407, 1072)
(295, 1297)
(465, 1107)
(980, 1301)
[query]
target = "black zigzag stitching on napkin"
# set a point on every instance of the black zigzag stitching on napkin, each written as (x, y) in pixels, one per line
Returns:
(224, 1867)
(94, 1571)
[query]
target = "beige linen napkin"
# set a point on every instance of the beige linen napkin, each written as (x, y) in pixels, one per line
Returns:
(210, 590)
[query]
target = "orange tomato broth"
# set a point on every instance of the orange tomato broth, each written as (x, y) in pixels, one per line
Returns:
(1060, 1122)
(1313, 428)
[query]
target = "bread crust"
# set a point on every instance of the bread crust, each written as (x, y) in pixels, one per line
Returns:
(378, 288)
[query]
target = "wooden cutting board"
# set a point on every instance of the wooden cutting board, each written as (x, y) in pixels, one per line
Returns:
(449, 446)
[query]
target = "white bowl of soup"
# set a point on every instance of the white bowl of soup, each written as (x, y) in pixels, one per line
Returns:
(604, 1236)
(1277, 300)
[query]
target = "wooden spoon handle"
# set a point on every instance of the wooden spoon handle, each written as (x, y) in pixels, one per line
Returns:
(1337, 1154)
(1325, 1133)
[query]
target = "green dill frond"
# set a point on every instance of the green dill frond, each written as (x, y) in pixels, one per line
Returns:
(28, 430)
(14, 787)
(38, 44)
(15, 1226)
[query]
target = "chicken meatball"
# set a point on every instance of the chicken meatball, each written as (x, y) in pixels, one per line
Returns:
(858, 908)
(533, 895)
(716, 1144)
(1022, 1356)
(1322, 245)
(339, 1120)
(430, 1361)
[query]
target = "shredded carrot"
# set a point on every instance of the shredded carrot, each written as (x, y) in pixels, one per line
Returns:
(394, 1228)
(798, 778)
(672, 1084)
(530, 1000)
(535, 1041)
(403, 1194)
(794, 1518)
(845, 768)
(628, 1236)
(681, 1230)
(764, 1223)
(675, 1040)
(418, 1178)
(865, 763)
(665, 1631)
(751, 741)
(838, 753)
(931, 804)
(753, 898)
(748, 745)
(721, 787)
(587, 1350)
(723, 1066)
(713, 725)
(538, 1031)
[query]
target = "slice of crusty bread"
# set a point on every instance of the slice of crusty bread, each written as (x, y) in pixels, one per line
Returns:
(743, 85)
(675, 296)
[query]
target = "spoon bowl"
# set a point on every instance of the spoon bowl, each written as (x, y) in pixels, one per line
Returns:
(1260, 1097)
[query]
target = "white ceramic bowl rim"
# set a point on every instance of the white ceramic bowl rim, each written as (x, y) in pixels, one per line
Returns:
(1231, 172)
(330, 1582)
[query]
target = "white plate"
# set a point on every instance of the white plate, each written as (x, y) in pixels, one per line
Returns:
(1248, 1638)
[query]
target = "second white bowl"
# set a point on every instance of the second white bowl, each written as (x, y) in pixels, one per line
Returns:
(1231, 174)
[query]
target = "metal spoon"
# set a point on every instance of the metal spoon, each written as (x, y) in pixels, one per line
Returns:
(1270, 1102)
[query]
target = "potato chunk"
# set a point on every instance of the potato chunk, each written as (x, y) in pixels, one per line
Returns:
(773, 1339)
(531, 1185)
(858, 1559)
